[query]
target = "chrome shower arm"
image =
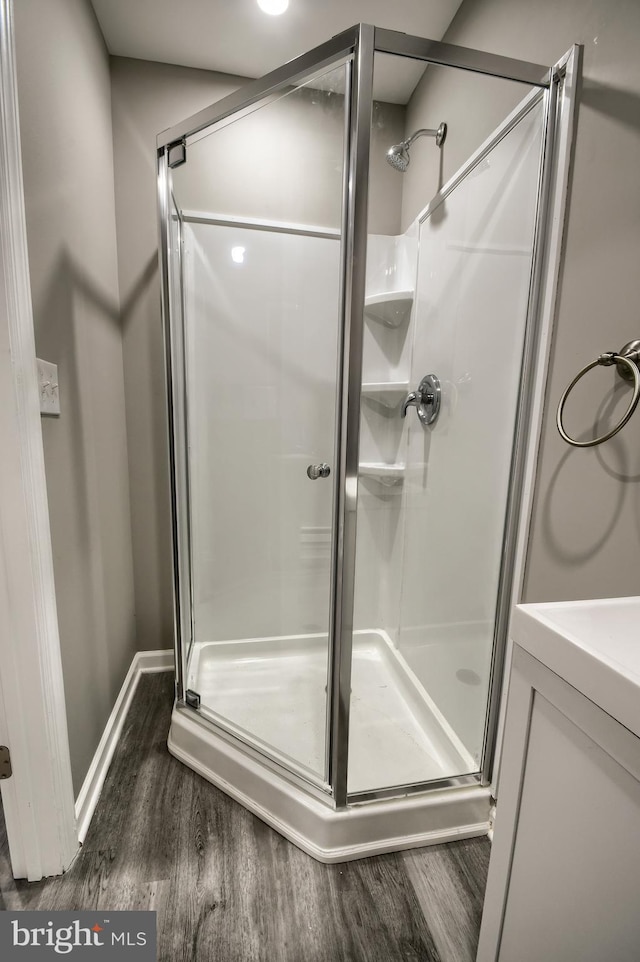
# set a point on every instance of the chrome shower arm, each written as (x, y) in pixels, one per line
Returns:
(439, 134)
(423, 132)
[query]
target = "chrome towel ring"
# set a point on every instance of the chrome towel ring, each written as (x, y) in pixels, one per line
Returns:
(626, 361)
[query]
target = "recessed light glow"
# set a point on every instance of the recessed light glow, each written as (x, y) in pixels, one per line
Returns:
(237, 255)
(274, 7)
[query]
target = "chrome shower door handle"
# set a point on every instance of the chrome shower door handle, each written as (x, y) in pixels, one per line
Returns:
(426, 399)
(315, 471)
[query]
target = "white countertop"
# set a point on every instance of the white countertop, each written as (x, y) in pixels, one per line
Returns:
(593, 645)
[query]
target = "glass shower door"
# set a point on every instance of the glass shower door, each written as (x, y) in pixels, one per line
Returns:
(260, 202)
(448, 300)
(473, 296)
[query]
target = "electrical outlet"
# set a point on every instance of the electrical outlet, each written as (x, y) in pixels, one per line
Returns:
(48, 388)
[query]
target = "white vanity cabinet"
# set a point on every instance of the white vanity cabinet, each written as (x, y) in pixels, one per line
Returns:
(564, 875)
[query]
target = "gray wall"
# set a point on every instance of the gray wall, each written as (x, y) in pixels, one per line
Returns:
(147, 98)
(65, 115)
(585, 535)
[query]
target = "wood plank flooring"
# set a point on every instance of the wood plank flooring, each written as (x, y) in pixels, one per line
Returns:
(227, 888)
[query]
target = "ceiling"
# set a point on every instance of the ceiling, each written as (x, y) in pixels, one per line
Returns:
(236, 37)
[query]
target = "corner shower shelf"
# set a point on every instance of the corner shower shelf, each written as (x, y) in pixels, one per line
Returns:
(389, 393)
(386, 474)
(391, 308)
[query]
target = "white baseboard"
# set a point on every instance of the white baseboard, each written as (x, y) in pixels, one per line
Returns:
(143, 661)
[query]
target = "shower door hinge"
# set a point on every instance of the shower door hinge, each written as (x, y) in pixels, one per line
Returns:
(177, 153)
(492, 818)
(192, 698)
(5, 762)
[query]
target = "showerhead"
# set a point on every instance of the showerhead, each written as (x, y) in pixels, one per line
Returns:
(398, 155)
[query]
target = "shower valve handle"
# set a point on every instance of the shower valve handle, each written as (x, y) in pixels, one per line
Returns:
(426, 399)
(408, 401)
(315, 471)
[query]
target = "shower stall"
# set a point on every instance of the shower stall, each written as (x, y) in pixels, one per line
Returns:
(352, 339)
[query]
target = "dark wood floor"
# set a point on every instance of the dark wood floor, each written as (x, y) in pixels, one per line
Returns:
(228, 888)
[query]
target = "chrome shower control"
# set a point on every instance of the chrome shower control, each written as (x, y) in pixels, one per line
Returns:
(426, 399)
(315, 471)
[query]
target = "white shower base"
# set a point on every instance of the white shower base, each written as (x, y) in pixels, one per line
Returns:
(274, 689)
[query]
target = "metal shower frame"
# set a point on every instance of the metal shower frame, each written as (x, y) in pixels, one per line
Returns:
(356, 48)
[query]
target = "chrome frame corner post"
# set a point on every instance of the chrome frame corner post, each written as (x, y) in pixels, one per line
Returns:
(181, 604)
(354, 255)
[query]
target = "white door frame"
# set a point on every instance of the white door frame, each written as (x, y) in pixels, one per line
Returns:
(38, 798)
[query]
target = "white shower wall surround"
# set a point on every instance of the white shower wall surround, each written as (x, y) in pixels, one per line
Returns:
(391, 267)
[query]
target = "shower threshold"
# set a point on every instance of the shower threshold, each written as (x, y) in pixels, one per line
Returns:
(275, 688)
